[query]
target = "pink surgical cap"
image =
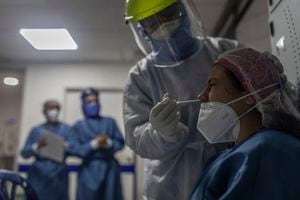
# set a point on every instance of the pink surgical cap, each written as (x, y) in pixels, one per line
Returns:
(253, 69)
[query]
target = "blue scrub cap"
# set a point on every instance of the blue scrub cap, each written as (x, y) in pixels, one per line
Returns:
(87, 92)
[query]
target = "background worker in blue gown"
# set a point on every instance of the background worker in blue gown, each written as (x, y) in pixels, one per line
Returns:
(247, 100)
(49, 178)
(96, 139)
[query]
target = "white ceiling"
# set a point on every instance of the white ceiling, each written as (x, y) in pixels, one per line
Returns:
(96, 25)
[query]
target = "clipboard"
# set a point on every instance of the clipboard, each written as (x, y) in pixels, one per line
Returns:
(54, 149)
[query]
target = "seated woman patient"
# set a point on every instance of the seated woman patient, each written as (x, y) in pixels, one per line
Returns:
(248, 101)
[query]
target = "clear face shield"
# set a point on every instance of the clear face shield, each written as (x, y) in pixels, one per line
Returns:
(169, 36)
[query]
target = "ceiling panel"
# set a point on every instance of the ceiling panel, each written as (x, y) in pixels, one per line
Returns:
(96, 25)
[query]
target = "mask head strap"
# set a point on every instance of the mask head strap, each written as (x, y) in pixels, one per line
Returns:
(255, 92)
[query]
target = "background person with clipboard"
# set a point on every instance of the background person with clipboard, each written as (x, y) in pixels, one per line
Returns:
(49, 173)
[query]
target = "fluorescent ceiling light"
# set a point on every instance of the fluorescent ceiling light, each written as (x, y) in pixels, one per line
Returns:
(49, 39)
(10, 81)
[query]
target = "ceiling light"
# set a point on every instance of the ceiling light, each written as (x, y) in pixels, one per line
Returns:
(49, 39)
(10, 81)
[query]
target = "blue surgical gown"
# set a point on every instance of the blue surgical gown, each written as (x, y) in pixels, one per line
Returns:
(48, 178)
(99, 173)
(265, 166)
(170, 167)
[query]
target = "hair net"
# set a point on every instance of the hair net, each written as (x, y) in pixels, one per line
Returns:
(253, 69)
(257, 70)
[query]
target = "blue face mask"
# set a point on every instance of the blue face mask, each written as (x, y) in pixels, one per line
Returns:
(91, 109)
(180, 45)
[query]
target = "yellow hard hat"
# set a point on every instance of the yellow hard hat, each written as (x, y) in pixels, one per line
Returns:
(136, 10)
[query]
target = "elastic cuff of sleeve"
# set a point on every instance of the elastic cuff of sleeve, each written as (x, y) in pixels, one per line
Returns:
(66, 145)
(180, 132)
(108, 143)
(34, 147)
(94, 144)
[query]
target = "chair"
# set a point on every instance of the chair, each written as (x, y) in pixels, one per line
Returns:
(10, 181)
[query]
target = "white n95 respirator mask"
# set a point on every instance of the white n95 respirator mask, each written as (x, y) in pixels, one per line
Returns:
(218, 122)
(52, 115)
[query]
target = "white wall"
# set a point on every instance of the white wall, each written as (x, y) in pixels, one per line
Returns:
(51, 81)
(10, 116)
(253, 30)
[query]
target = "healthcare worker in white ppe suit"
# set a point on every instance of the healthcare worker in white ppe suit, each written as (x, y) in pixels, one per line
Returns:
(177, 54)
